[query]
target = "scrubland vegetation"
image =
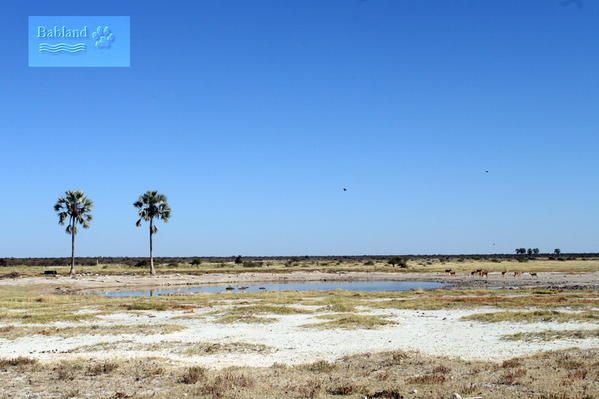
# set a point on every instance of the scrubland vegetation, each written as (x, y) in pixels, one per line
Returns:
(119, 365)
(11, 268)
(571, 374)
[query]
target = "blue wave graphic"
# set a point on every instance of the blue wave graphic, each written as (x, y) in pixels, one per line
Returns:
(62, 47)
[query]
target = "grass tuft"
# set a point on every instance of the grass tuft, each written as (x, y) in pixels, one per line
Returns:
(552, 335)
(534, 317)
(350, 322)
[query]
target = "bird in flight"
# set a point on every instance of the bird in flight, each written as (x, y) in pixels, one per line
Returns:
(344, 189)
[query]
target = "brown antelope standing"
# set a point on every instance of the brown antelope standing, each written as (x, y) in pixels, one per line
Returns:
(484, 273)
(517, 274)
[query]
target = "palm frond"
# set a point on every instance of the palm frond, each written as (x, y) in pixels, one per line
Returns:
(152, 205)
(76, 207)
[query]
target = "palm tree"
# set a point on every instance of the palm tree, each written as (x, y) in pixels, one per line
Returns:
(152, 205)
(75, 208)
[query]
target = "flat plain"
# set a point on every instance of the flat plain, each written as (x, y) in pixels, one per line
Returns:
(508, 334)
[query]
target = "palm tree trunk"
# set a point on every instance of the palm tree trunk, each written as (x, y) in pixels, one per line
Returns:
(152, 270)
(72, 272)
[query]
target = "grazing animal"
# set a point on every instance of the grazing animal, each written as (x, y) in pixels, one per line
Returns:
(517, 274)
(484, 273)
(452, 273)
(478, 272)
(533, 275)
(447, 270)
(503, 273)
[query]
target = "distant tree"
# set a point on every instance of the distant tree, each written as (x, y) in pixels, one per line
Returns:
(196, 262)
(238, 260)
(398, 261)
(152, 206)
(520, 251)
(74, 209)
(529, 251)
(557, 251)
(536, 251)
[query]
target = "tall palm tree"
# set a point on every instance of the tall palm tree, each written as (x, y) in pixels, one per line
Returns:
(75, 208)
(152, 206)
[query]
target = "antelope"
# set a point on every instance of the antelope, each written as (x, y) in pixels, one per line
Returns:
(517, 274)
(503, 273)
(533, 275)
(452, 273)
(484, 273)
(447, 270)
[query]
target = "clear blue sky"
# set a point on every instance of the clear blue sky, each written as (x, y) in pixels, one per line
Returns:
(253, 115)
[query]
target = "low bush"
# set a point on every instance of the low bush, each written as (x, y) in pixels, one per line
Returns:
(193, 375)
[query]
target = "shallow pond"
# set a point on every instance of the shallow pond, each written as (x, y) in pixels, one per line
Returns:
(369, 286)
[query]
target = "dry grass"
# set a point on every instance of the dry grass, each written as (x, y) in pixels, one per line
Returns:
(562, 375)
(39, 304)
(105, 367)
(572, 374)
(242, 318)
(14, 332)
(17, 362)
(535, 316)
(177, 347)
(193, 375)
(553, 335)
(345, 265)
(350, 322)
(254, 313)
(470, 299)
(229, 347)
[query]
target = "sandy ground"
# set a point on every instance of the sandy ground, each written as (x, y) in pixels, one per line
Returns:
(439, 333)
(461, 280)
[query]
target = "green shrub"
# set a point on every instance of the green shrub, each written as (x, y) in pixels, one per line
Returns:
(398, 261)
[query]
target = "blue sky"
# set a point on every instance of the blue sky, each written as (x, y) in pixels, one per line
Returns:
(253, 115)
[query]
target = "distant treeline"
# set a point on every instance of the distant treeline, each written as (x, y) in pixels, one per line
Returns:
(142, 261)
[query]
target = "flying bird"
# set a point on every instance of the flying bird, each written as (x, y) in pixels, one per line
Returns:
(344, 189)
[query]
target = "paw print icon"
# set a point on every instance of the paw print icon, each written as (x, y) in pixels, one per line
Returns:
(103, 37)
